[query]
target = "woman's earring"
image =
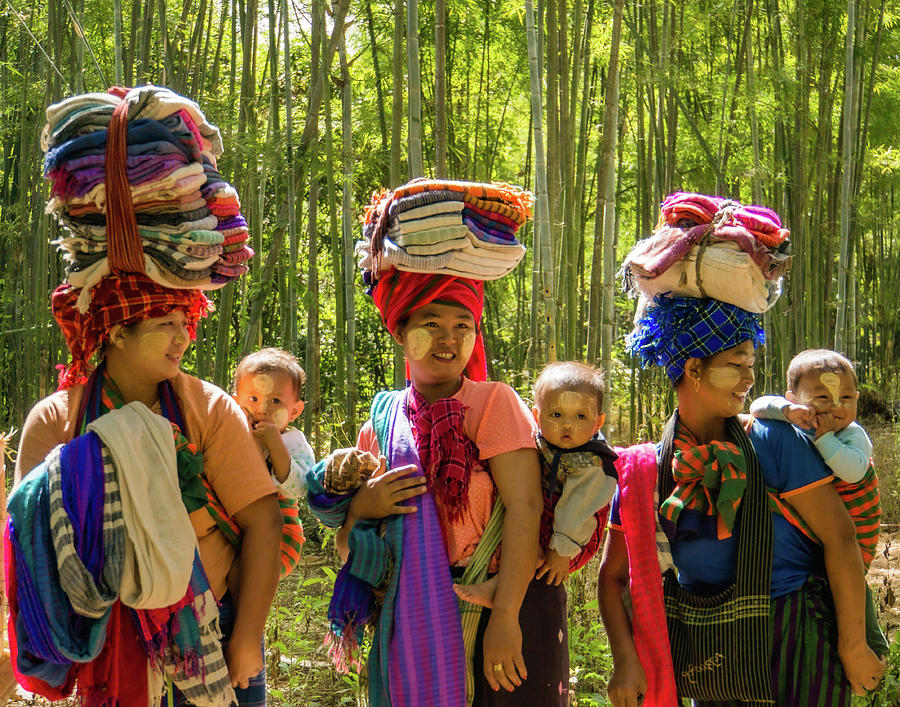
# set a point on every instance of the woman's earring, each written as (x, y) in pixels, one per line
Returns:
(697, 384)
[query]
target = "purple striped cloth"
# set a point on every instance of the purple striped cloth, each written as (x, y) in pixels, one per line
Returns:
(426, 655)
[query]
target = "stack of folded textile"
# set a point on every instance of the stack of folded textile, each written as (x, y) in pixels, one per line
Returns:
(188, 218)
(444, 227)
(707, 246)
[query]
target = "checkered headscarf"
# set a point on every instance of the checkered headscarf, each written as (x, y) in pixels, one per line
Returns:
(675, 329)
(124, 298)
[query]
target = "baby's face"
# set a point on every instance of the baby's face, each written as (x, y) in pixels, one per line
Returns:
(829, 392)
(568, 418)
(268, 397)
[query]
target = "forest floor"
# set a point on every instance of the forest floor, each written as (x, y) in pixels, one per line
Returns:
(884, 579)
(300, 672)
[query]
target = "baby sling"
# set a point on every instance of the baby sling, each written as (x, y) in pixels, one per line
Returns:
(721, 644)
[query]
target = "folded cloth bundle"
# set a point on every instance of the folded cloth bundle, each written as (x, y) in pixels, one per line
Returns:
(707, 246)
(446, 227)
(721, 271)
(177, 194)
(763, 223)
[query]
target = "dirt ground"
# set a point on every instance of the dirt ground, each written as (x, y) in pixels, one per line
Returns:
(884, 578)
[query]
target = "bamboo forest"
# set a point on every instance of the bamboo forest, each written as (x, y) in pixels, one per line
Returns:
(599, 108)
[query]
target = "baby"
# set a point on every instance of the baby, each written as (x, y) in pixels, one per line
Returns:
(267, 386)
(821, 401)
(576, 463)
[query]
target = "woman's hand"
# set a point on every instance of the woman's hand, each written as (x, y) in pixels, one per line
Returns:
(244, 661)
(504, 665)
(384, 492)
(862, 667)
(628, 683)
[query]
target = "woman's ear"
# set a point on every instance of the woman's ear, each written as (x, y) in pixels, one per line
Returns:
(397, 335)
(692, 369)
(117, 335)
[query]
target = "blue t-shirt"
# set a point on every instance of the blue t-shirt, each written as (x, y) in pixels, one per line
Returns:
(789, 463)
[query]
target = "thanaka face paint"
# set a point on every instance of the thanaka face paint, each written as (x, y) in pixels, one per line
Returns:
(468, 345)
(724, 381)
(433, 340)
(829, 392)
(153, 344)
(418, 343)
(269, 397)
(262, 382)
(723, 377)
(280, 418)
(150, 350)
(832, 381)
(568, 418)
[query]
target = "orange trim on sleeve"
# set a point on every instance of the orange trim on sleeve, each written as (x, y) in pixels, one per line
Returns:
(615, 526)
(808, 487)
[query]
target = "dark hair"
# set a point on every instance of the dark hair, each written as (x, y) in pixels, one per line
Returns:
(813, 360)
(569, 375)
(272, 360)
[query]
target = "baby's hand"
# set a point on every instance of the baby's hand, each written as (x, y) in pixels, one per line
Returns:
(824, 423)
(554, 566)
(267, 433)
(802, 416)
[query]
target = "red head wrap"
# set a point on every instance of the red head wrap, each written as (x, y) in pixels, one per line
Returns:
(123, 298)
(399, 293)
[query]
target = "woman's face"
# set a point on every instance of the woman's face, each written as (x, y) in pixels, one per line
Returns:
(725, 379)
(438, 340)
(152, 348)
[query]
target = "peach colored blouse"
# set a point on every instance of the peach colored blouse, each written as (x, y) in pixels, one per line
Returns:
(497, 420)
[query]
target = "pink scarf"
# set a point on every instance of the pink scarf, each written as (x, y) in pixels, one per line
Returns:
(447, 455)
(637, 480)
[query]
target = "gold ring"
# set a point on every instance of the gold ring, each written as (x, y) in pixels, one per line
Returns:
(497, 666)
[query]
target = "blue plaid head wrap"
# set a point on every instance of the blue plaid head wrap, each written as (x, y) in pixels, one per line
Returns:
(674, 329)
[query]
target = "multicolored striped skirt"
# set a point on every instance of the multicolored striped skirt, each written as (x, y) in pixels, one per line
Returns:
(806, 670)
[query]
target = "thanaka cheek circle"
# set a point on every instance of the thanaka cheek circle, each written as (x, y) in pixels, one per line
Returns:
(280, 418)
(468, 345)
(153, 344)
(418, 343)
(724, 377)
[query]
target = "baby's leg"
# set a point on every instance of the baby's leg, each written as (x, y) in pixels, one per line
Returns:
(481, 593)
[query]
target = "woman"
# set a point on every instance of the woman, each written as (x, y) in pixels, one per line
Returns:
(142, 331)
(462, 446)
(748, 609)
(148, 223)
